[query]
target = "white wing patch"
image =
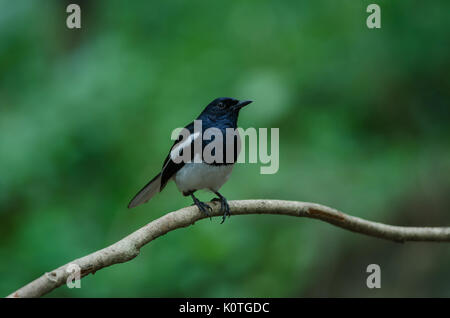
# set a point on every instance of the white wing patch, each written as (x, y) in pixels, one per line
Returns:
(175, 153)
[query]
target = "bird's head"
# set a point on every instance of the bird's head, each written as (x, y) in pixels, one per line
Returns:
(225, 106)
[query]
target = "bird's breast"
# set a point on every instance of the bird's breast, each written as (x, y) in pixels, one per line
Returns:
(227, 151)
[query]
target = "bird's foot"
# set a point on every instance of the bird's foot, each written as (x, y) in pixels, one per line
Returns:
(224, 207)
(203, 207)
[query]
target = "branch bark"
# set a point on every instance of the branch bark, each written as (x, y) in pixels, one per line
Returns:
(129, 247)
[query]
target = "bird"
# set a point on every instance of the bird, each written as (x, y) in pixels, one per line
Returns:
(198, 174)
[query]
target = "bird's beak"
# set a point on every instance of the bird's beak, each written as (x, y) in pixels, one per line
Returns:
(242, 104)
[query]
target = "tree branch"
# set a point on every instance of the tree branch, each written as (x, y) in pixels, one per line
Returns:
(129, 247)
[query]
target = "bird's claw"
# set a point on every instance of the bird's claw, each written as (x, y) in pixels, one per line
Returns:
(225, 208)
(203, 207)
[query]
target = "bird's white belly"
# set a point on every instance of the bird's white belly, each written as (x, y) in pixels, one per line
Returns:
(197, 176)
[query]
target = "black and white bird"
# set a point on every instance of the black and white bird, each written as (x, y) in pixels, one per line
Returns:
(196, 173)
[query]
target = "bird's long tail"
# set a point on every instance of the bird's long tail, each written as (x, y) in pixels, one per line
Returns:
(147, 192)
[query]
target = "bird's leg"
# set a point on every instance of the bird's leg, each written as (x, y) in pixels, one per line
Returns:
(224, 207)
(202, 206)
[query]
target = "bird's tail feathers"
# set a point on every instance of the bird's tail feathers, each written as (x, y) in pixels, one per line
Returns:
(147, 192)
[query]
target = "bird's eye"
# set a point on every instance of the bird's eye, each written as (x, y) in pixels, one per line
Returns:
(221, 105)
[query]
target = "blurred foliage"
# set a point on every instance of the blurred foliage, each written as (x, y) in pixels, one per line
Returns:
(86, 117)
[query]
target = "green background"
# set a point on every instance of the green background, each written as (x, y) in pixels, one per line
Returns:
(86, 117)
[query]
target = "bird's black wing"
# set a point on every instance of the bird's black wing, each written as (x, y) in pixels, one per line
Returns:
(170, 167)
(160, 180)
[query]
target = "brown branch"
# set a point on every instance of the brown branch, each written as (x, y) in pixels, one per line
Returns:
(129, 247)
